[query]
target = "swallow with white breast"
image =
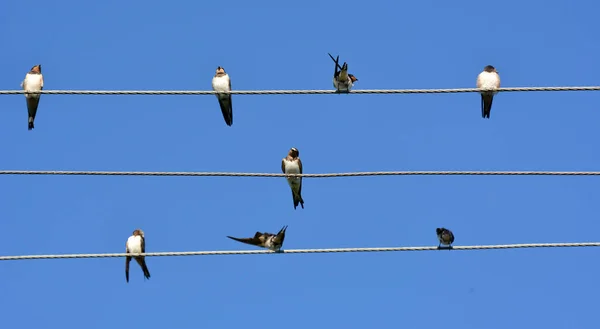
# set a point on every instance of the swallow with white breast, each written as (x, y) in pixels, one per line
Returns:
(136, 244)
(34, 81)
(266, 240)
(342, 80)
(488, 81)
(445, 236)
(292, 164)
(221, 82)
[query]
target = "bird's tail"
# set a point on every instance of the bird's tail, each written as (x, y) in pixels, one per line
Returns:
(142, 263)
(127, 260)
(226, 108)
(297, 199)
(32, 106)
(486, 104)
(344, 73)
(242, 240)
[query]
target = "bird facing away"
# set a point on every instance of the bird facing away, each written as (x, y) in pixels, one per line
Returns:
(34, 81)
(270, 241)
(445, 236)
(488, 81)
(136, 244)
(342, 80)
(292, 164)
(221, 82)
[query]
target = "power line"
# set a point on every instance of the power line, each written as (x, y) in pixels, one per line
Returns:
(294, 92)
(305, 251)
(325, 175)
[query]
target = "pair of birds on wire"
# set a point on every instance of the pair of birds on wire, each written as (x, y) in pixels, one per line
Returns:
(34, 82)
(342, 82)
(488, 81)
(136, 243)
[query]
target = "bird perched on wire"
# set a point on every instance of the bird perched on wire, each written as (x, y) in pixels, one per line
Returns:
(342, 80)
(488, 81)
(221, 82)
(34, 81)
(292, 164)
(267, 240)
(136, 244)
(445, 236)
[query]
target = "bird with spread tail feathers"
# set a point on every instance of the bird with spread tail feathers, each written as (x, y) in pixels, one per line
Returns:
(266, 240)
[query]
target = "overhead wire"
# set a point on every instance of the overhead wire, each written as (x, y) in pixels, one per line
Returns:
(297, 91)
(305, 251)
(322, 175)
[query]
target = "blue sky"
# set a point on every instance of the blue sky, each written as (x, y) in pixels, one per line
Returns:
(177, 45)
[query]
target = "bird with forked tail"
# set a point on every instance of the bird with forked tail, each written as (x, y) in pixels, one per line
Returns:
(136, 243)
(342, 80)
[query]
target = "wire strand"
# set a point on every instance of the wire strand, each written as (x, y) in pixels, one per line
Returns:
(295, 92)
(306, 251)
(325, 175)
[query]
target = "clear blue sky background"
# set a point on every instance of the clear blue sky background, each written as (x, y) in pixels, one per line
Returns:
(177, 45)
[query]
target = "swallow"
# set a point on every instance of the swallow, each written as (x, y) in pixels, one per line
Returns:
(342, 80)
(292, 164)
(270, 241)
(445, 236)
(34, 81)
(136, 244)
(488, 80)
(221, 82)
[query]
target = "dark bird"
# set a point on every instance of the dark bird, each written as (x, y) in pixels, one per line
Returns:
(221, 82)
(136, 244)
(445, 236)
(342, 80)
(292, 164)
(270, 241)
(34, 81)
(488, 81)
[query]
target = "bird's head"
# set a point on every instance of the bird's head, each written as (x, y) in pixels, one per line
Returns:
(220, 71)
(490, 69)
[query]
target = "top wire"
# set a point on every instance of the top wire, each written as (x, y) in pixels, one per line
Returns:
(294, 92)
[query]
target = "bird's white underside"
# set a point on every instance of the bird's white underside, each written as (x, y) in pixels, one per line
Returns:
(488, 81)
(32, 82)
(291, 167)
(221, 83)
(134, 244)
